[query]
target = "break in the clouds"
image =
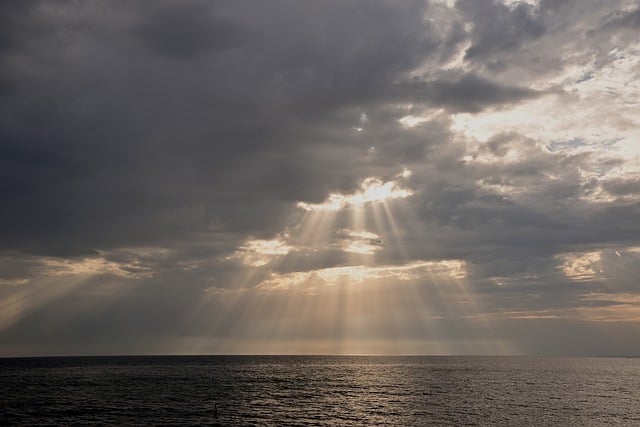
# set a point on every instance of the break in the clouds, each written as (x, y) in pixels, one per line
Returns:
(319, 177)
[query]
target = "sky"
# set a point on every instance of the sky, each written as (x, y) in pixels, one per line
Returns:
(320, 177)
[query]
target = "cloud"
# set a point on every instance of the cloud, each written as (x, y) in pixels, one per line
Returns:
(498, 28)
(108, 122)
(629, 18)
(259, 252)
(467, 93)
(372, 190)
(169, 169)
(185, 30)
(622, 187)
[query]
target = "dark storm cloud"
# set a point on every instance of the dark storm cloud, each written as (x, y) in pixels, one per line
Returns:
(105, 143)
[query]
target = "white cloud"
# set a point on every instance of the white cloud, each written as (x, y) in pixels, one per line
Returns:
(259, 252)
(92, 266)
(361, 274)
(360, 242)
(581, 266)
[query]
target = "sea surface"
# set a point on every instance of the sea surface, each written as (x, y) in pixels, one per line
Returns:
(321, 391)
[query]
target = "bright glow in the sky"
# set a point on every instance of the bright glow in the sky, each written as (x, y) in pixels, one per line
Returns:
(371, 190)
(412, 121)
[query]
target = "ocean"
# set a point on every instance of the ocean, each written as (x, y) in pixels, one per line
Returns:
(319, 391)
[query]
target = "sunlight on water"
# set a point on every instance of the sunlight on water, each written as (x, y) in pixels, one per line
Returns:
(332, 391)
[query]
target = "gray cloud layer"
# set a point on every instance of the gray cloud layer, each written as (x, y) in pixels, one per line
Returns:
(154, 139)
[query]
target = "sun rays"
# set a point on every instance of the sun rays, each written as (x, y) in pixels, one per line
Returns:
(344, 276)
(344, 280)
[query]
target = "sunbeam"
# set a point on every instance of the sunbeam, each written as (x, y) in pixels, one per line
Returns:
(320, 285)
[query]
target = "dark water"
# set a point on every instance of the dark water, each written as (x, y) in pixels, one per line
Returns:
(342, 391)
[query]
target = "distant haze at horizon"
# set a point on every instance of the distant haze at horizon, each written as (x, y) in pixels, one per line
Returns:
(320, 177)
